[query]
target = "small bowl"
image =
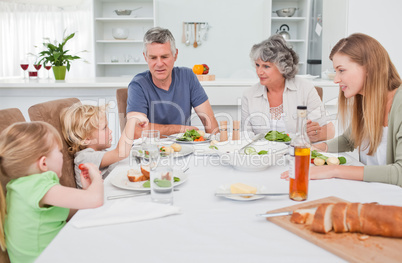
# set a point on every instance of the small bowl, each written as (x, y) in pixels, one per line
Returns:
(286, 12)
(123, 12)
(120, 33)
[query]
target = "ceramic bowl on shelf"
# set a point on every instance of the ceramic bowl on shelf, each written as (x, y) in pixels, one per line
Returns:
(120, 33)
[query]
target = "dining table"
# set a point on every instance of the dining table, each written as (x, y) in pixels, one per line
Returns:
(210, 228)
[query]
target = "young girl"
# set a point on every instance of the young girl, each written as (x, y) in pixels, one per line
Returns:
(371, 94)
(86, 131)
(37, 205)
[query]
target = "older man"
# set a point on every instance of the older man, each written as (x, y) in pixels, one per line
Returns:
(166, 94)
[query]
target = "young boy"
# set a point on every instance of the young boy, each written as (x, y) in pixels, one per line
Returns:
(86, 130)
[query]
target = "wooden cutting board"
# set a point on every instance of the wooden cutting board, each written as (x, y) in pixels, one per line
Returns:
(205, 77)
(346, 245)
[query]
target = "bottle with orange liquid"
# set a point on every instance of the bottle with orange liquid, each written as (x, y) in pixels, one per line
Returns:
(299, 164)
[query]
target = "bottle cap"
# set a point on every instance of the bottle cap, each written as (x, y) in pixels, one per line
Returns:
(302, 107)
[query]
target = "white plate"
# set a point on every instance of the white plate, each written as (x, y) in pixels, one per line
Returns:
(225, 189)
(179, 135)
(120, 180)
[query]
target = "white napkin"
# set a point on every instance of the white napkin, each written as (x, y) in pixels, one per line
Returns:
(122, 211)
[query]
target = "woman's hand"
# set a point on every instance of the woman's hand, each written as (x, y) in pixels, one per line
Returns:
(316, 172)
(314, 131)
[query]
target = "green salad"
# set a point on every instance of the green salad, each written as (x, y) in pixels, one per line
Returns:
(277, 136)
(190, 135)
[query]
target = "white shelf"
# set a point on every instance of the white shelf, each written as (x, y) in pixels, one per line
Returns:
(297, 27)
(121, 63)
(115, 19)
(288, 19)
(113, 41)
(107, 48)
(296, 41)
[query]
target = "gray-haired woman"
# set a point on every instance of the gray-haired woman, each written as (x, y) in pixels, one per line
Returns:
(271, 104)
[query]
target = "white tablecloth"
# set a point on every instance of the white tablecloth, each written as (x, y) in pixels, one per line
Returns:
(210, 228)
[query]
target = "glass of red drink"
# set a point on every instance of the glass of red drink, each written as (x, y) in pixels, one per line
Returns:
(48, 66)
(24, 65)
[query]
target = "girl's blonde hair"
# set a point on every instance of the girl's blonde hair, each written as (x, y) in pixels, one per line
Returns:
(367, 110)
(21, 145)
(78, 122)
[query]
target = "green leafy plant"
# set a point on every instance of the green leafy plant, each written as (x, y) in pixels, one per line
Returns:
(55, 53)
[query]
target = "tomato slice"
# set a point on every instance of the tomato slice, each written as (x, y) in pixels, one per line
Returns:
(81, 166)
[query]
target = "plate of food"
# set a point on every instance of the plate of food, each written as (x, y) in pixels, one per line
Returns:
(175, 149)
(276, 136)
(130, 179)
(192, 137)
(240, 188)
(253, 158)
(318, 159)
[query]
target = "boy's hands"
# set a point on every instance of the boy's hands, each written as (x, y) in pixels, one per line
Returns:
(88, 172)
(142, 120)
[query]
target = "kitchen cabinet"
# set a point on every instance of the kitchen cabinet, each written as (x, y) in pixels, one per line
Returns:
(121, 57)
(298, 27)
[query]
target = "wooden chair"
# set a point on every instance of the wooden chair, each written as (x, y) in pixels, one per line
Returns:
(8, 117)
(50, 112)
(319, 91)
(121, 98)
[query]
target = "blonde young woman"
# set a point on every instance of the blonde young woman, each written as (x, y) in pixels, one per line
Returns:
(30, 155)
(371, 94)
(86, 131)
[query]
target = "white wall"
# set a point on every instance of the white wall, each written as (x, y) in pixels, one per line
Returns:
(381, 20)
(236, 26)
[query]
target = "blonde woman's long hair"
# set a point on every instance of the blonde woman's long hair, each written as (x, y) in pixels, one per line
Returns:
(78, 122)
(21, 145)
(367, 111)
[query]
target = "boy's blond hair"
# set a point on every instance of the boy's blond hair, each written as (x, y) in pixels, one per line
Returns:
(21, 145)
(78, 122)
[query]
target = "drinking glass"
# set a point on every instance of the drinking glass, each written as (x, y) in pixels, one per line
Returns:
(24, 65)
(161, 178)
(150, 136)
(48, 66)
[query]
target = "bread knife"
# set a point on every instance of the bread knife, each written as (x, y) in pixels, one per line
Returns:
(286, 213)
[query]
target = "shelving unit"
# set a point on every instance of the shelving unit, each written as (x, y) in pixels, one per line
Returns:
(128, 52)
(298, 27)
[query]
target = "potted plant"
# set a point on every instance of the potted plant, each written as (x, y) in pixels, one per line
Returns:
(55, 55)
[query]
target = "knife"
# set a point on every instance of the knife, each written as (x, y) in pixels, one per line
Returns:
(257, 194)
(256, 138)
(111, 197)
(286, 213)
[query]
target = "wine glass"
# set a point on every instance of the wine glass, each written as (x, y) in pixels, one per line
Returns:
(24, 65)
(37, 67)
(48, 66)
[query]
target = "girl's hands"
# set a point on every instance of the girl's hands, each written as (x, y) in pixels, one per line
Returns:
(88, 172)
